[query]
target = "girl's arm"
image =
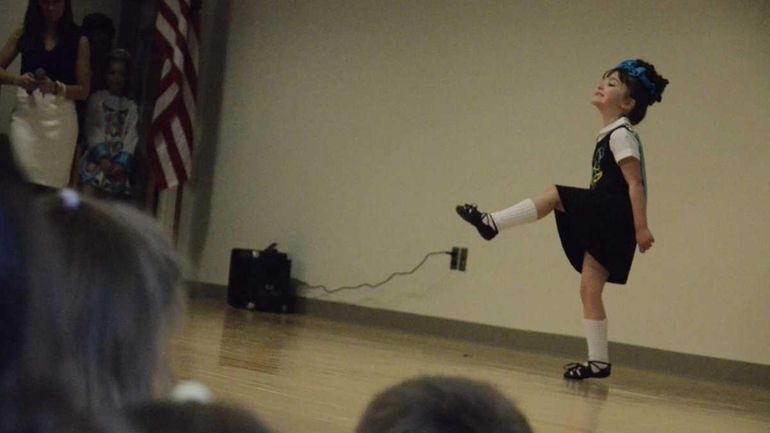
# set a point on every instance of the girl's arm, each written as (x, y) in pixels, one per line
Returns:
(81, 90)
(632, 172)
(7, 56)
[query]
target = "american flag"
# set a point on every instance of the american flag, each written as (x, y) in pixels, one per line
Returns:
(171, 144)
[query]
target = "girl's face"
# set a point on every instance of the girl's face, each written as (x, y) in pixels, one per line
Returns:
(116, 77)
(612, 97)
(52, 10)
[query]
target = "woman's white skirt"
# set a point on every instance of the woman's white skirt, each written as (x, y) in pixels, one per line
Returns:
(44, 131)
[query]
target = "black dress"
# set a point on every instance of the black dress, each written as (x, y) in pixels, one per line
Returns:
(599, 220)
(59, 64)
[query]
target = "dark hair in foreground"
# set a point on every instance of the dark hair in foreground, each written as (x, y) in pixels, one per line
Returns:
(102, 296)
(193, 417)
(13, 285)
(48, 410)
(437, 404)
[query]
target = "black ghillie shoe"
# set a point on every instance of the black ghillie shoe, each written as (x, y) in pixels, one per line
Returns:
(471, 214)
(577, 371)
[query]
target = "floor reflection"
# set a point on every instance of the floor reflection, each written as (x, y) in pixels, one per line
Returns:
(584, 410)
(255, 341)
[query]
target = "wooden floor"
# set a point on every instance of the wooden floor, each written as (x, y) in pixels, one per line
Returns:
(304, 374)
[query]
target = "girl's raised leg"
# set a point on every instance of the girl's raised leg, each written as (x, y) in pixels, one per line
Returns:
(525, 211)
(547, 202)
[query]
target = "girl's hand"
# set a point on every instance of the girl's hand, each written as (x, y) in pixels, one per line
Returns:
(644, 239)
(26, 82)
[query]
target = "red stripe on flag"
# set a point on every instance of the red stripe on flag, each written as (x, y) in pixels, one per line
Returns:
(173, 153)
(192, 77)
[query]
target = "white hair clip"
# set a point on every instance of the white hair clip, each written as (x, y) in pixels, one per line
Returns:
(70, 198)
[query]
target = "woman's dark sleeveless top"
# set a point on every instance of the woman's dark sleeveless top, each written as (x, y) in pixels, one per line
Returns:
(60, 64)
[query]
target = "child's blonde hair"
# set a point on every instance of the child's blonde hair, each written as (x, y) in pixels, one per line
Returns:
(102, 296)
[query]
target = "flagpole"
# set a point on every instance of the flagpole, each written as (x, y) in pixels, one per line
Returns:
(177, 213)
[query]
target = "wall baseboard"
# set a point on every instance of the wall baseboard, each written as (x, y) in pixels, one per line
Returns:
(643, 358)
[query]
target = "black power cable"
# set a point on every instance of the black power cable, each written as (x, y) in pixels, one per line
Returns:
(381, 283)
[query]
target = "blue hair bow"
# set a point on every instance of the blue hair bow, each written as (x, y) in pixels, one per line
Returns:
(632, 68)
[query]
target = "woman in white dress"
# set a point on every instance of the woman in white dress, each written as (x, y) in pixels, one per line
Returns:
(55, 72)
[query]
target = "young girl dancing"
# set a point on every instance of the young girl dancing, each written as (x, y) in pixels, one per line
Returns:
(599, 227)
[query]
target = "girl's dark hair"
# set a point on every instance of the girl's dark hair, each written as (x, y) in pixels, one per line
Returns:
(103, 295)
(438, 404)
(49, 409)
(34, 25)
(13, 287)
(98, 23)
(637, 91)
(193, 417)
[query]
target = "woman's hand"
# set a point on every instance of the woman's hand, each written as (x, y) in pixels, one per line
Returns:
(27, 82)
(105, 164)
(48, 87)
(644, 239)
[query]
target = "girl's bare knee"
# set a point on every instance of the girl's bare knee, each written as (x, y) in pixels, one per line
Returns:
(554, 198)
(589, 293)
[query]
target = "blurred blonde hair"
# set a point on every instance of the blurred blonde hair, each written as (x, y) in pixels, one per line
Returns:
(103, 295)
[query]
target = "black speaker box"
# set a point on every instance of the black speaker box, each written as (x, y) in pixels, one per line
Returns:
(260, 280)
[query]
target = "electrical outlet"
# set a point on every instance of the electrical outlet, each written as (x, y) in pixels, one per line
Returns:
(463, 259)
(459, 259)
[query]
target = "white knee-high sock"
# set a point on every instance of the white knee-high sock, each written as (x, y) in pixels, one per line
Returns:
(596, 334)
(520, 213)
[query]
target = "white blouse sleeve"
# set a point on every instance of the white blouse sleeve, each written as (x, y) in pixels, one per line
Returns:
(94, 121)
(623, 144)
(131, 136)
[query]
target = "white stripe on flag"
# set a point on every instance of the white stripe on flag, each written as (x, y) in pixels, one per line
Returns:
(166, 30)
(166, 69)
(173, 6)
(170, 36)
(182, 143)
(165, 161)
(165, 100)
(189, 102)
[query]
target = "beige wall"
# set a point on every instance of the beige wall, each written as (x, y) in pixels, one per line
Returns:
(349, 130)
(12, 17)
